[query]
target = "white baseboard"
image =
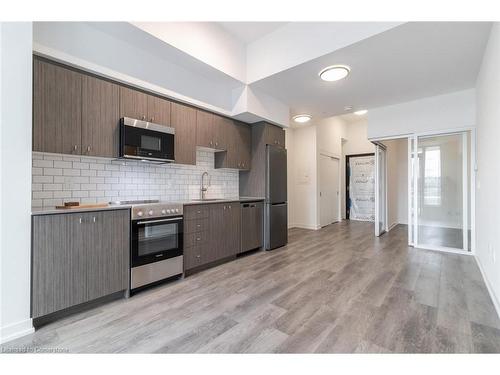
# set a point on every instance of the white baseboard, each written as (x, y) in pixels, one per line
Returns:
(488, 286)
(392, 226)
(16, 330)
(304, 226)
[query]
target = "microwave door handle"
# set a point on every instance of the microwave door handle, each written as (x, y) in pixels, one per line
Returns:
(158, 221)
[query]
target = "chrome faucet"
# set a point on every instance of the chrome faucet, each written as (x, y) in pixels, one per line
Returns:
(203, 187)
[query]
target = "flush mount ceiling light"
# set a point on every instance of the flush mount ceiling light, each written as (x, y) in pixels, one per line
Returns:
(302, 118)
(334, 73)
(361, 112)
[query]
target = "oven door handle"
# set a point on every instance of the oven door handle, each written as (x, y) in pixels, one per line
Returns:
(158, 221)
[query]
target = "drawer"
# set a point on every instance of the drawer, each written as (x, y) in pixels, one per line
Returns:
(195, 239)
(195, 256)
(196, 212)
(195, 225)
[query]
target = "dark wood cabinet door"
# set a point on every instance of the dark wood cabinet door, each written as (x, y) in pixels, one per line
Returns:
(133, 103)
(217, 231)
(183, 119)
(107, 237)
(205, 129)
(232, 230)
(159, 110)
(59, 275)
(100, 117)
(244, 137)
(57, 96)
(223, 132)
(274, 135)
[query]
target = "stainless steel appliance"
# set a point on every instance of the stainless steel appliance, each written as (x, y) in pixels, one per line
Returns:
(143, 140)
(252, 215)
(156, 242)
(275, 218)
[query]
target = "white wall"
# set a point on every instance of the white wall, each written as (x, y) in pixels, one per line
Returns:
(206, 41)
(357, 138)
(488, 172)
(15, 179)
(302, 168)
(397, 181)
(443, 112)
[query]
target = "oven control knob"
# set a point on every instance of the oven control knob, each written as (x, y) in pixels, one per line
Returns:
(163, 212)
(150, 212)
(139, 213)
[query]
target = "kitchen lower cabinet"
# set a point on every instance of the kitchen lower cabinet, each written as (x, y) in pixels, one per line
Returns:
(212, 233)
(78, 257)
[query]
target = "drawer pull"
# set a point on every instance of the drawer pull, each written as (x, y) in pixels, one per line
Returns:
(198, 239)
(198, 256)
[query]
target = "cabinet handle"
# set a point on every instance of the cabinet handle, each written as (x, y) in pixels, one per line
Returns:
(224, 207)
(216, 143)
(198, 256)
(229, 207)
(152, 119)
(143, 118)
(198, 225)
(75, 147)
(211, 143)
(94, 219)
(198, 239)
(80, 220)
(89, 148)
(199, 212)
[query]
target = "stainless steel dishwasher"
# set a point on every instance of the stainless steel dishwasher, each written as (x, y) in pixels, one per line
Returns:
(252, 224)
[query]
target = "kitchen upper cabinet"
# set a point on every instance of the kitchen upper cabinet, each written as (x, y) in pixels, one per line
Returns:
(211, 130)
(183, 120)
(274, 135)
(57, 106)
(244, 145)
(239, 143)
(78, 257)
(159, 110)
(133, 103)
(100, 117)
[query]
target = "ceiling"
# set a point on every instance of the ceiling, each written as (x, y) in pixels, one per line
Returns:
(248, 32)
(408, 62)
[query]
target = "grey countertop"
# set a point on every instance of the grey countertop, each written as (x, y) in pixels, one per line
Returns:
(53, 210)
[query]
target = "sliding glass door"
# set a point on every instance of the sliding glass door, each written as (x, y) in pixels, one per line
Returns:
(381, 190)
(439, 194)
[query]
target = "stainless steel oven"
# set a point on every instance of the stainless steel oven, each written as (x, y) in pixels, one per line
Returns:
(156, 244)
(142, 140)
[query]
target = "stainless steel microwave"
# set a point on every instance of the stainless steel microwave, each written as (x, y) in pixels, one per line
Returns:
(143, 140)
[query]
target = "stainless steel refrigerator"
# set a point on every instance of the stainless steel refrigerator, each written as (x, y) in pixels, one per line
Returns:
(276, 210)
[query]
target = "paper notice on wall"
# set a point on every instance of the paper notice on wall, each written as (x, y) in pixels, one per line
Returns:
(362, 188)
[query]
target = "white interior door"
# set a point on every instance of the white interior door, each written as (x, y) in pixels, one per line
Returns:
(329, 190)
(380, 190)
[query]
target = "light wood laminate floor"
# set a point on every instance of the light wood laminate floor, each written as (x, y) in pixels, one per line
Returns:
(338, 289)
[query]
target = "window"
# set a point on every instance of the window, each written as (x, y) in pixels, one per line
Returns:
(432, 176)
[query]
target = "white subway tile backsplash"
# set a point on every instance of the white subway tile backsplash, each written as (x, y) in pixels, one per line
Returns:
(89, 180)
